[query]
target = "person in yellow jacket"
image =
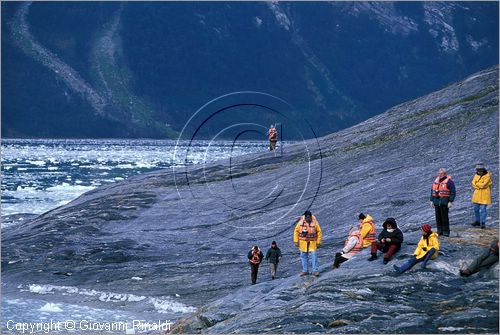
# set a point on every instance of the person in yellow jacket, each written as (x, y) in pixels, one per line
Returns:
(427, 248)
(307, 237)
(481, 198)
(366, 229)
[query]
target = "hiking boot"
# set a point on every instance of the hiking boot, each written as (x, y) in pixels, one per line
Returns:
(476, 224)
(302, 274)
(272, 277)
(373, 257)
(446, 234)
(316, 274)
(386, 260)
(483, 225)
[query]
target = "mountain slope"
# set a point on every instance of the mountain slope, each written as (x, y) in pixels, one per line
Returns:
(142, 69)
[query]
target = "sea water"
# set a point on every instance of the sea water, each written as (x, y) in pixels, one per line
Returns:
(41, 174)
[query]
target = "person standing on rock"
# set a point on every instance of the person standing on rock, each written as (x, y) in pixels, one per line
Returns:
(307, 237)
(442, 196)
(481, 198)
(273, 256)
(427, 248)
(488, 258)
(353, 245)
(272, 133)
(255, 257)
(388, 241)
(366, 229)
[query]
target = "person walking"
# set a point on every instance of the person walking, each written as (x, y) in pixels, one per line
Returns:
(427, 248)
(255, 257)
(353, 245)
(273, 256)
(366, 229)
(481, 198)
(307, 237)
(485, 260)
(442, 196)
(388, 241)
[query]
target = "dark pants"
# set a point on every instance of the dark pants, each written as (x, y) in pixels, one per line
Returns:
(272, 144)
(413, 260)
(387, 248)
(442, 221)
(255, 269)
(339, 260)
(484, 261)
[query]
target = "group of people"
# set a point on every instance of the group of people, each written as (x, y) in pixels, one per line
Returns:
(307, 235)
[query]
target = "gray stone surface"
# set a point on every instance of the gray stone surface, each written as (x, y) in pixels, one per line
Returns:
(187, 231)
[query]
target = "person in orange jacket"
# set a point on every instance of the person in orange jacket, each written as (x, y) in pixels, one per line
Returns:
(427, 248)
(366, 230)
(307, 237)
(353, 244)
(255, 257)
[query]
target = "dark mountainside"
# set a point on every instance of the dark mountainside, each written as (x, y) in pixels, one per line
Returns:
(141, 69)
(187, 232)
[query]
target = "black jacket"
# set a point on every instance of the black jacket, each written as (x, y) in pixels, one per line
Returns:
(396, 236)
(273, 255)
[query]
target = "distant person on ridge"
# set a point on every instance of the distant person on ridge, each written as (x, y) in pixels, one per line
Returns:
(487, 258)
(255, 257)
(353, 245)
(307, 237)
(272, 133)
(442, 196)
(481, 198)
(366, 229)
(273, 256)
(388, 241)
(427, 248)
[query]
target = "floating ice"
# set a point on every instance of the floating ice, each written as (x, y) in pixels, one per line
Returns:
(51, 308)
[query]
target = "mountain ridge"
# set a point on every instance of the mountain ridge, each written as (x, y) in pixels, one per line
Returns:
(147, 75)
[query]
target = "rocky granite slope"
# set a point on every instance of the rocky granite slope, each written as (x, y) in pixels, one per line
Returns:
(186, 232)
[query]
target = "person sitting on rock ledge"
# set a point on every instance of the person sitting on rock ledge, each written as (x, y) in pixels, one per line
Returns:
(273, 256)
(388, 241)
(366, 229)
(427, 248)
(488, 258)
(307, 237)
(353, 245)
(255, 257)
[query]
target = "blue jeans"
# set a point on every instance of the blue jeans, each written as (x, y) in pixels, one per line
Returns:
(480, 212)
(314, 260)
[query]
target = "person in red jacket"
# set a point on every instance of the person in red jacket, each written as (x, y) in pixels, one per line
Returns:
(255, 257)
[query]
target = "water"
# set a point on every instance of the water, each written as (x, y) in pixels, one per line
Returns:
(40, 174)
